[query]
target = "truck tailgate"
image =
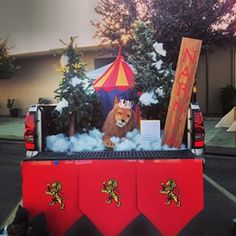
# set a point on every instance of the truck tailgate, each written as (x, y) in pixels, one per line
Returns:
(141, 189)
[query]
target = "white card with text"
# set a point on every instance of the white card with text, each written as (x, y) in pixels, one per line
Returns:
(150, 129)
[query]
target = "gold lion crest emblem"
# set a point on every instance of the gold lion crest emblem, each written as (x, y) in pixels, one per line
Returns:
(54, 190)
(170, 190)
(111, 189)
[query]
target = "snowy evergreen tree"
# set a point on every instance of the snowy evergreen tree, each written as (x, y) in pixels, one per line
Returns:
(153, 80)
(7, 65)
(78, 109)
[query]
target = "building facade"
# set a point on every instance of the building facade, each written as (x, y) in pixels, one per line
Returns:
(35, 27)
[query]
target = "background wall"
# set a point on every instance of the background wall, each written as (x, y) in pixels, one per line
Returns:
(217, 69)
(34, 27)
(37, 77)
(37, 25)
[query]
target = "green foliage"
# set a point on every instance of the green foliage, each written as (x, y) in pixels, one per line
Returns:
(151, 75)
(170, 19)
(7, 66)
(10, 103)
(116, 19)
(227, 98)
(191, 18)
(43, 100)
(76, 90)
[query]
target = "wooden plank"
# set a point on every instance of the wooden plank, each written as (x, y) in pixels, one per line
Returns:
(181, 92)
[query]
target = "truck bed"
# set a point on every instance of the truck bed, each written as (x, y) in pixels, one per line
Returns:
(115, 155)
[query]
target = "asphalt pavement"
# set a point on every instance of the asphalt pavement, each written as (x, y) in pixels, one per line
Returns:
(11, 155)
(220, 199)
(219, 191)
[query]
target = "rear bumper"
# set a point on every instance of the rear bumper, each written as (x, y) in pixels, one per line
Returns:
(121, 155)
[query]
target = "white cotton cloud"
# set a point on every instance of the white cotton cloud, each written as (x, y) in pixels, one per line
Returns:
(57, 143)
(160, 92)
(75, 81)
(123, 144)
(93, 142)
(87, 142)
(62, 104)
(154, 56)
(158, 64)
(64, 60)
(159, 49)
(84, 82)
(148, 98)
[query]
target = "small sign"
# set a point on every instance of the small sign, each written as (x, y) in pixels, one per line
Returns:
(150, 129)
(181, 92)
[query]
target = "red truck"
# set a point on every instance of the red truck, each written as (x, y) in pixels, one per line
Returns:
(112, 192)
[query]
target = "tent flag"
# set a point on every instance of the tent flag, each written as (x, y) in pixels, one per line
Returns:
(117, 80)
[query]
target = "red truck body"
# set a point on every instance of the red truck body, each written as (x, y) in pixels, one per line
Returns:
(112, 190)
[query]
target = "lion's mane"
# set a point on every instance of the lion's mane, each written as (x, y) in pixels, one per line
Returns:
(111, 129)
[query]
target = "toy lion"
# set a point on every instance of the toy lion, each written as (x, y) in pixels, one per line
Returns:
(119, 121)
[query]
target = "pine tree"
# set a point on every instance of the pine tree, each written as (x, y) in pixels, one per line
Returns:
(152, 78)
(78, 109)
(7, 66)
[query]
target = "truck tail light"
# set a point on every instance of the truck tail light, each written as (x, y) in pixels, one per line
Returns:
(198, 130)
(29, 133)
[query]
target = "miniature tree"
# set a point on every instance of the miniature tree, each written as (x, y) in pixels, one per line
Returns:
(7, 66)
(78, 109)
(153, 80)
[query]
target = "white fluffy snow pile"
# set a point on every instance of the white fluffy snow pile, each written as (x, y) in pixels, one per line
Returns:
(62, 104)
(75, 81)
(159, 49)
(93, 142)
(80, 142)
(64, 60)
(85, 83)
(148, 98)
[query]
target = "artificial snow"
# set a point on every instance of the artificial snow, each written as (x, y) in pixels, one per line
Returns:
(58, 143)
(64, 60)
(159, 49)
(85, 83)
(75, 81)
(160, 92)
(87, 142)
(158, 64)
(154, 56)
(148, 98)
(92, 141)
(62, 104)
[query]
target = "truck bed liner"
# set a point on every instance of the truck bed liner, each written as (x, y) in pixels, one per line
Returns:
(105, 155)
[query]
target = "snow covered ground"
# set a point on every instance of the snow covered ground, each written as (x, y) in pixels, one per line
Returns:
(93, 142)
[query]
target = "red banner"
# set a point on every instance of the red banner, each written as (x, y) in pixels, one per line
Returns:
(51, 187)
(107, 194)
(170, 192)
(112, 193)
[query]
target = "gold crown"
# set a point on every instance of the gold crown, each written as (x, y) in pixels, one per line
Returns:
(125, 104)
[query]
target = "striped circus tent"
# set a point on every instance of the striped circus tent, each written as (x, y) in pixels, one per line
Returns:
(117, 80)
